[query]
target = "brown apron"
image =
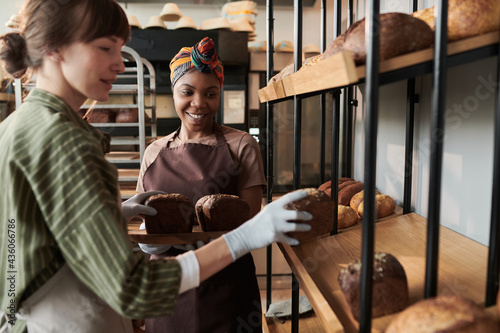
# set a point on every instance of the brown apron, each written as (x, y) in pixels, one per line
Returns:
(229, 301)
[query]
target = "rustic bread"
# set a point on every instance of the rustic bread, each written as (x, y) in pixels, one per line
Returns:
(466, 18)
(326, 187)
(390, 286)
(358, 198)
(346, 217)
(175, 214)
(221, 212)
(320, 206)
(131, 115)
(347, 192)
(334, 47)
(101, 116)
(399, 34)
(384, 206)
(443, 314)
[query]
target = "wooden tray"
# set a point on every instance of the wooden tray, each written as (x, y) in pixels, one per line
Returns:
(339, 70)
(316, 264)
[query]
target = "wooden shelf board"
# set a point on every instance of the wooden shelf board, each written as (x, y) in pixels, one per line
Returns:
(5, 97)
(328, 75)
(316, 264)
(308, 322)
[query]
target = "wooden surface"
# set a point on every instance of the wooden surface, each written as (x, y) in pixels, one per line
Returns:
(4, 97)
(462, 267)
(329, 75)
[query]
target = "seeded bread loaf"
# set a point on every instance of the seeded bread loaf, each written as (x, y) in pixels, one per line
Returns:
(346, 217)
(221, 212)
(175, 214)
(320, 206)
(444, 314)
(390, 286)
(358, 198)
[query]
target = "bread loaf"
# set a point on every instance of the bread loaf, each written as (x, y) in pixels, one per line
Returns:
(357, 199)
(326, 187)
(347, 192)
(466, 18)
(175, 214)
(346, 217)
(390, 286)
(221, 212)
(320, 206)
(101, 116)
(399, 34)
(443, 314)
(334, 47)
(384, 206)
(129, 116)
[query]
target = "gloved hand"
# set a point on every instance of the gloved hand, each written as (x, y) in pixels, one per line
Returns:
(269, 226)
(135, 205)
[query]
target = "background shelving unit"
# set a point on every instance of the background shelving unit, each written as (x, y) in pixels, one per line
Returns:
(419, 243)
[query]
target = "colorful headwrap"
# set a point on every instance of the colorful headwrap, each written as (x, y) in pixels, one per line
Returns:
(203, 56)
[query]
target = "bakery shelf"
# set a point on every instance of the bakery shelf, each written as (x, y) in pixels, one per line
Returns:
(316, 265)
(339, 71)
(120, 124)
(309, 322)
(127, 175)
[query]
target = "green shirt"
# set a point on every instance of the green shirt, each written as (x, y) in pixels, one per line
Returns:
(59, 204)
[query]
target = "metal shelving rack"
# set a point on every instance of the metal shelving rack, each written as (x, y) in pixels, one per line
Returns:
(438, 66)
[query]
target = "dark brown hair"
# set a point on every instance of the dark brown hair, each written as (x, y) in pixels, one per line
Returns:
(47, 25)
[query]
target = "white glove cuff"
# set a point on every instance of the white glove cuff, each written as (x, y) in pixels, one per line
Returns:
(153, 248)
(236, 243)
(190, 271)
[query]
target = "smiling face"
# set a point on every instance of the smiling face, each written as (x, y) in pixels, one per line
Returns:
(90, 68)
(196, 99)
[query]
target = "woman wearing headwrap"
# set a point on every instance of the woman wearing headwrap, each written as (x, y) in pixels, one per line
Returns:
(201, 158)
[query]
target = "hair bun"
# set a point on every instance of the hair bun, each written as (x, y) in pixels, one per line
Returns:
(13, 54)
(204, 56)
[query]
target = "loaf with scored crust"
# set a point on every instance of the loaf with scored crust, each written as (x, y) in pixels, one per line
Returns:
(221, 212)
(175, 214)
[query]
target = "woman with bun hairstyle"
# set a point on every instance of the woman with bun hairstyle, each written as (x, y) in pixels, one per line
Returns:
(198, 159)
(67, 262)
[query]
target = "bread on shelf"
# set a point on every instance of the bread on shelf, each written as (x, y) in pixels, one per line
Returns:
(390, 286)
(129, 115)
(320, 206)
(97, 116)
(221, 212)
(358, 198)
(346, 217)
(444, 314)
(175, 214)
(384, 206)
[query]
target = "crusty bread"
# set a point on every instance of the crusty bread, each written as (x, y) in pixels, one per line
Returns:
(358, 198)
(466, 18)
(326, 187)
(384, 206)
(399, 34)
(175, 214)
(346, 217)
(443, 314)
(129, 115)
(390, 286)
(101, 116)
(221, 212)
(334, 47)
(347, 192)
(320, 206)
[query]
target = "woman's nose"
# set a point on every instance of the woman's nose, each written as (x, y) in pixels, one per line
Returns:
(119, 66)
(197, 101)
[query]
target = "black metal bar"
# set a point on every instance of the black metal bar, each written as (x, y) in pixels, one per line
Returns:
(322, 101)
(348, 112)
(297, 136)
(493, 250)
(410, 125)
(372, 87)
(335, 157)
(437, 136)
(269, 143)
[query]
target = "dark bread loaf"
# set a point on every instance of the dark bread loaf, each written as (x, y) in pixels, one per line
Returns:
(320, 205)
(346, 217)
(384, 206)
(221, 212)
(129, 116)
(444, 314)
(466, 18)
(390, 286)
(175, 214)
(347, 192)
(326, 187)
(101, 116)
(399, 34)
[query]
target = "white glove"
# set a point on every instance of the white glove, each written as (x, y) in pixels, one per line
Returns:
(269, 226)
(135, 205)
(153, 248)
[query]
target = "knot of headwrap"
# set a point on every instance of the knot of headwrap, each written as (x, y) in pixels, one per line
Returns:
(203, 56)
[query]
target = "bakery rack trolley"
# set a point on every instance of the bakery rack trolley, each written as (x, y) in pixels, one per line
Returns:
(138, 81)
(435, 61)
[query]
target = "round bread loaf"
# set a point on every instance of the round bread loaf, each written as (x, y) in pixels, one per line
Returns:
(101, 116)
(334, 47)
(443, 314)
(129, 116)
(399, 34)
(347, 192)
(384, 206)
(346, 217)
(390, 286)
(358, 198)
(222, 212)
(320, 205)
(175, 214)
